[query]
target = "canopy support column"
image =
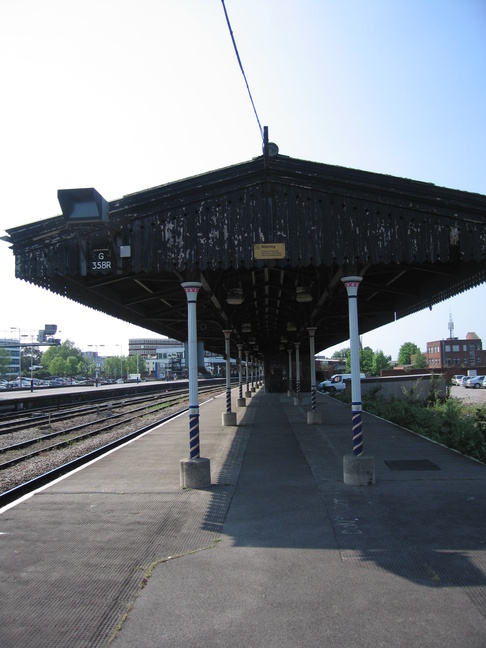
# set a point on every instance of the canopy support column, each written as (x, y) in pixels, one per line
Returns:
(297, 398)
(290, 391)
(313, 416)
(195, 471)
(241, 402)
(228, 417)
(358, 469)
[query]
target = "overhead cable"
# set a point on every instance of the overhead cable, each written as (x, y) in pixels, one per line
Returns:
(241, 68)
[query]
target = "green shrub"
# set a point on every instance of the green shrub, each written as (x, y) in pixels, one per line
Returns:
(447, 421)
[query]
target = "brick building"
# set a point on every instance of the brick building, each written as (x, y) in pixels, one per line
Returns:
(454, 352)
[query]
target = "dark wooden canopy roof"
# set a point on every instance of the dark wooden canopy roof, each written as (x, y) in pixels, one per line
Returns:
(414, 243)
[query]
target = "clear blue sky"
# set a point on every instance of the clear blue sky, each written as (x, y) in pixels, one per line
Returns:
(124, 95)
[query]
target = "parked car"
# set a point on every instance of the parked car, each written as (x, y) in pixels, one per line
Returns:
(336, 382)
(19, 382)
(457, 379)
(464, 381)
(474, 382)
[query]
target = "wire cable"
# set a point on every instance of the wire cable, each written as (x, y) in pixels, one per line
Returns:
(241, 68)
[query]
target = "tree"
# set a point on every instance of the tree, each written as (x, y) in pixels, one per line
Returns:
(111, 367)
(58, 366)
(72, 366)
(132, 365)
(420, 361)
(407, 350)
(82, 368)
(366, 357)
(340, 354)
(63, 350)
(365, 360)
(5, 361)
(380, 362)
(31, 356)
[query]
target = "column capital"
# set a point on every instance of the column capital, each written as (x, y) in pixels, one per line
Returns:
(312, 330)
(227, 333)
(191, 288)
(352, 285)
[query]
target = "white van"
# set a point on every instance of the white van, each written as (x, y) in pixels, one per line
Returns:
(336, 382)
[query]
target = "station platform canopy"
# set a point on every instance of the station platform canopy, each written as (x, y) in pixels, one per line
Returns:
(270, 240)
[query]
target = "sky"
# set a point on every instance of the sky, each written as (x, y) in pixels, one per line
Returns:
(124, 95)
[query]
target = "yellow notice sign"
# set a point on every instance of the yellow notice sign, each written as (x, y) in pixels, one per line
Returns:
(263, 251)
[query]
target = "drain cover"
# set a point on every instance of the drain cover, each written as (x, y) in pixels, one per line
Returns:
(412, 464)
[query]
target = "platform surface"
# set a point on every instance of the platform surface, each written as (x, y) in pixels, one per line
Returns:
(278, 552)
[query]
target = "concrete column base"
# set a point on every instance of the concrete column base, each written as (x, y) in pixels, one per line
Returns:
(290, 393)
(228, 418)
(314, 417)
(195, 473)
(297, 400)
(359, 471)
(248, 394)
(241, 402)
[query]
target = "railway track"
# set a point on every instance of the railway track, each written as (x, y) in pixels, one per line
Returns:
(46, 455)
(11, 421)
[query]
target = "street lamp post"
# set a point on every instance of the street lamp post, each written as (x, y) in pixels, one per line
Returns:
(31, 363)
(121, 360)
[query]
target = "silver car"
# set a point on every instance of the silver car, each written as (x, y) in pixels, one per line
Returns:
(475, 382)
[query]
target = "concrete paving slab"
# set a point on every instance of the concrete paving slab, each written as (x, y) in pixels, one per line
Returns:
(277, 552)
(305, 560)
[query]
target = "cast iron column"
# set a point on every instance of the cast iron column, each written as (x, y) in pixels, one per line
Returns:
(195, 471)
(248, 392)
(312, 331)
(352, 285)
(297, 373)
(358, 469)
(313, 416)
(192, 289)
(241, 402)
(229, 417)
(289, 393)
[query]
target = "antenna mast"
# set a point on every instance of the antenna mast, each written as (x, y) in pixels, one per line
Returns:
(450, 326)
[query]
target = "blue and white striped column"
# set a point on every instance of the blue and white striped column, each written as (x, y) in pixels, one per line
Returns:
(248, 392)
(352, 285)
(313, 416)
(241, 402)
(228, 417)
(290, 391)
(192, 289)
(297, 398)
(195, 471)
(359, 470)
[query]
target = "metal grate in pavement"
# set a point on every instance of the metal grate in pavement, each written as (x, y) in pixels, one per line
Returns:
(411, 464)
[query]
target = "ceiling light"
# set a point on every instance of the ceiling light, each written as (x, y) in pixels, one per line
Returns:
(302, 295)
(235, 297)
